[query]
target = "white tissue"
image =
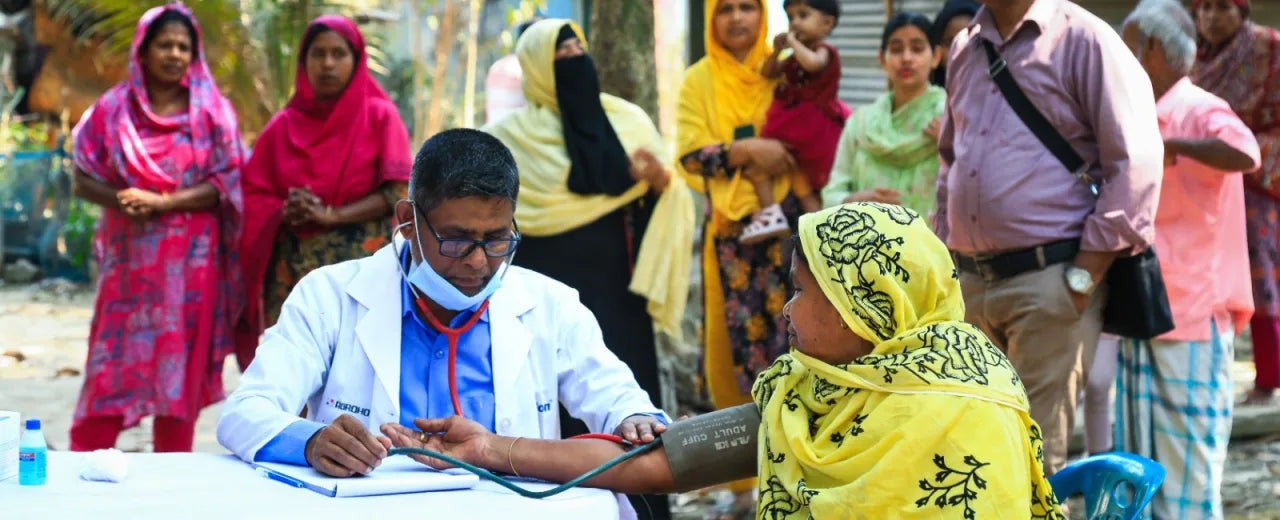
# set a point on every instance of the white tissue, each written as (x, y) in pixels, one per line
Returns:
(105, 465)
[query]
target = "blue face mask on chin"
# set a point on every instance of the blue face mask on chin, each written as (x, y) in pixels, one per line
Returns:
(428, 282)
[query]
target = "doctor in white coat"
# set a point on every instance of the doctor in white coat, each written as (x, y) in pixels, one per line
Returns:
(360, 343)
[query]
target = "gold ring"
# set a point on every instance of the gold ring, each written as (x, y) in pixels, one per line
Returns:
(422, 436)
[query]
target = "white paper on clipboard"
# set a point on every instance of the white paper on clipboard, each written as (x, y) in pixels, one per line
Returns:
(395, 475)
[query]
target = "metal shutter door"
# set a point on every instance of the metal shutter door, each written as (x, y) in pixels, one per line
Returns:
(858, 38)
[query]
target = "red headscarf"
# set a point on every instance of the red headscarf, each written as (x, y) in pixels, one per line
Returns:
(113, 151)
(342, 150)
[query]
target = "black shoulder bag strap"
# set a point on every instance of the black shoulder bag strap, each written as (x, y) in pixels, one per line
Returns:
(998, 70)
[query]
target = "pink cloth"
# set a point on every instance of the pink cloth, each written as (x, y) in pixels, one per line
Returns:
(341, 150)
(168, 287)
(503, 93)
(999, 188)
(1200, 233)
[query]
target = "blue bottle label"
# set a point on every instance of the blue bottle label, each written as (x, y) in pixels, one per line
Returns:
(27, 456)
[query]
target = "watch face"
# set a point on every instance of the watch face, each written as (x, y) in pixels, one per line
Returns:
(1079, 279)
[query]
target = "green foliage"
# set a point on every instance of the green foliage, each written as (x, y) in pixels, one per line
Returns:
(26, 137)
(78, 230)
(252, 45)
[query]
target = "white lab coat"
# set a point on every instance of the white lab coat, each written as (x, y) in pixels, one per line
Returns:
(336, 349)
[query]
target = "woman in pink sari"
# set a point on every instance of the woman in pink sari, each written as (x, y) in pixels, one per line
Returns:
(161, 154)
(323, 176)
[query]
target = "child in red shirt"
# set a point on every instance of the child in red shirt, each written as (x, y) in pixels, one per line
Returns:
(806, 113)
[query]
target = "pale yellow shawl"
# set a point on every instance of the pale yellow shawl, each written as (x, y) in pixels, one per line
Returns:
(546, 206)
(932, 424)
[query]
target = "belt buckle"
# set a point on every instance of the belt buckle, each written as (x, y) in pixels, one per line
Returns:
(981, 264)
(987, 273)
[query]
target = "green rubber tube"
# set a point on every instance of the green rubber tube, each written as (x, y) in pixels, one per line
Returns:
(489, 475)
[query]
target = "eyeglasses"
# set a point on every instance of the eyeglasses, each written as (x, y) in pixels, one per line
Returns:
(461, 247)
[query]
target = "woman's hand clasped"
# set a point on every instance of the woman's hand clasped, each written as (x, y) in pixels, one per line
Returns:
(934, 128)
(303, 207)
(645, 167)
(141, 204)
(882, 195)
(455, 436)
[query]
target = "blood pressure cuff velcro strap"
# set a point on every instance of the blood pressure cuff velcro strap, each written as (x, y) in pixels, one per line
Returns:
(713, 448)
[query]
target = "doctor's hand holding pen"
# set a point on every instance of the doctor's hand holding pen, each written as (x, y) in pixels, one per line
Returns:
(345, 448)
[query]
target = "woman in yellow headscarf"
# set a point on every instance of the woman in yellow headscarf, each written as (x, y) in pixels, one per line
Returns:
(597, 207)
(887, 406)
(723, 101)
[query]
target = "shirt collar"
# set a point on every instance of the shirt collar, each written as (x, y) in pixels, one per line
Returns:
(1041, 16)
(1169, 100)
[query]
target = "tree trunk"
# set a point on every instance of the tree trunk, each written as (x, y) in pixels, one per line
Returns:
(444, 47)
(420, 104)
(469, 91)
(622, 47)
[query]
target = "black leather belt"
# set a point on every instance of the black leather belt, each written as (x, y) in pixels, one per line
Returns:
(1013, 263)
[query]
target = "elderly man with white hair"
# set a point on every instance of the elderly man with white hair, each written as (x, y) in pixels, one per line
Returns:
(1174, 392)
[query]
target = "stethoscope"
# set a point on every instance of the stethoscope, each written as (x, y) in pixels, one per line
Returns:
(452, 334)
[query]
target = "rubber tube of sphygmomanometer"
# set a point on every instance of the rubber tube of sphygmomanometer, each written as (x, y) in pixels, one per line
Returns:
(713, 448)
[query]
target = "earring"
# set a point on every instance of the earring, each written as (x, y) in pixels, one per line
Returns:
(844, 325)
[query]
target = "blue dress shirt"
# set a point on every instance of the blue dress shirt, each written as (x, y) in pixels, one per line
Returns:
(424, 379)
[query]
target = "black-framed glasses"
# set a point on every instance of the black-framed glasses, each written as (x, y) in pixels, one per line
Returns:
(461, 247)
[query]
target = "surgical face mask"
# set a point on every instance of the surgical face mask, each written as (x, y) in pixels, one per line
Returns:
(428, 282)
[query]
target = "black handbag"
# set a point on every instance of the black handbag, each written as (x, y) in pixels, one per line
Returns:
(1137, 306)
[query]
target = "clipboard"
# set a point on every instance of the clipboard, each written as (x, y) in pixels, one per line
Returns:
(396, 475)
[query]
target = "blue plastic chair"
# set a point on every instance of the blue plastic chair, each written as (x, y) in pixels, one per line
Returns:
(1116, 486)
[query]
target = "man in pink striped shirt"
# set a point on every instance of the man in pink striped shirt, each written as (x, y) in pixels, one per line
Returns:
(1174, 392)
(1031, 241)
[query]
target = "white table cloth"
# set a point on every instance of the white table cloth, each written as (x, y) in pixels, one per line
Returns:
(206, 485)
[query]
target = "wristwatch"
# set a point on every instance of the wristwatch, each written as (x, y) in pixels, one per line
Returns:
(1079, 280)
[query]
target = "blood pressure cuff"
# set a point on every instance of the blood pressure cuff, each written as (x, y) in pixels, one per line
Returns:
(713, 448)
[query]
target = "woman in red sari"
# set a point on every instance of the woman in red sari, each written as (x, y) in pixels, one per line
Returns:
(323, 176)
(161, 154)
(1239, 61)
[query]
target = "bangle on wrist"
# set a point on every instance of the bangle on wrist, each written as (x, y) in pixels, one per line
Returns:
(511, 461)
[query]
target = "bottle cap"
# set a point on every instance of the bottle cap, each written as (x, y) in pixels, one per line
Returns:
(33, 424)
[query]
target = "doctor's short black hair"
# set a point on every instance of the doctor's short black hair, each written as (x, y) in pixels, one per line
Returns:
(462, 163)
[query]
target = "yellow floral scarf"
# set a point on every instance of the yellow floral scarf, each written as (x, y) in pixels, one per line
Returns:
(547, 206)
(932, 424)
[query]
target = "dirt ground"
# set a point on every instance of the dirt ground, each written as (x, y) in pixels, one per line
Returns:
(44, 329)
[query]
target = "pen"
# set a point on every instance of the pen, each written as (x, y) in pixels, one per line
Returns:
(282, 478)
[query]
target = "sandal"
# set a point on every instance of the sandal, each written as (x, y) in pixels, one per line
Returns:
(767, 224)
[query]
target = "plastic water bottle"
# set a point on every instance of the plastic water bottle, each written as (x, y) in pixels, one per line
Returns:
(31, 455)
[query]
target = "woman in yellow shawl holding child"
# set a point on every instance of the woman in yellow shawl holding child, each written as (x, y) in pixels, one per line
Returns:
(723, 101)
(887, 406)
